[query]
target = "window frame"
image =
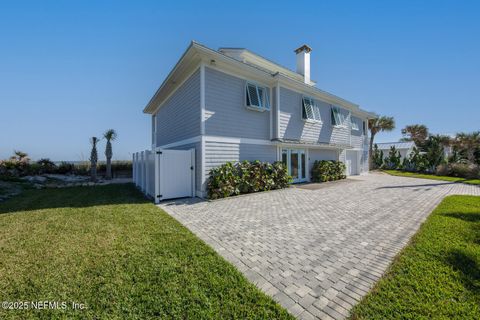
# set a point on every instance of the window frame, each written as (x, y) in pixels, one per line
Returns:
(264, 100)
(314, 108)
(334, 120)
(357, 127)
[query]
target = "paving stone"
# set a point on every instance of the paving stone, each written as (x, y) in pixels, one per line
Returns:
(331, 244)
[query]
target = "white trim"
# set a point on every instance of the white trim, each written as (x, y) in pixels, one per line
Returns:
(179, 143)
(157, 177)
(202, 98)
(193, 163)
(271, 114)
(202, 172)
(278, 109)
(238, 140)
(307, 164)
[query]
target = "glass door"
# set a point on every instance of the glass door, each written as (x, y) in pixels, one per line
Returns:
(295, 161)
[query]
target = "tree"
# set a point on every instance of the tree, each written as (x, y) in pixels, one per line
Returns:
(110, 135)
(417, 133)
(469, 143)
(393, 160)
(375, 126)
(377, 157)
(434, 151)
(93, 158)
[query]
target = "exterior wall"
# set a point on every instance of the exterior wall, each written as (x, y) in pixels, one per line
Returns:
(217, 153)
(179, 117)
(292, 126)
(198, 162)
(225, 111)
(320, 154)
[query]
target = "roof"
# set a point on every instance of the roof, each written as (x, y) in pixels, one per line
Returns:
(397, 145)
(256, 67)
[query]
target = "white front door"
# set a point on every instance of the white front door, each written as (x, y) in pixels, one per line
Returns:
(296, 163)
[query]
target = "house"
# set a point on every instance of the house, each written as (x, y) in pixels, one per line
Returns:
(405, 148)
(234, 105)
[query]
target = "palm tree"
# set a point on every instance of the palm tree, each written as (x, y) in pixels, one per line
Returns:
(469, 143)
(93, 158)
(110, 135)
(375, 126)
(417, 133)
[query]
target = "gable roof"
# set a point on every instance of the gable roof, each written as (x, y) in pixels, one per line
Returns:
(397, 145)
(257, 67)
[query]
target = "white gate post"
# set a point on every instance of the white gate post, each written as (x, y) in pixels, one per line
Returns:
(157, 175)
(193, 172)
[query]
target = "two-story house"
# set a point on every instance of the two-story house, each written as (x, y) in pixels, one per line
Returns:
(234, 105)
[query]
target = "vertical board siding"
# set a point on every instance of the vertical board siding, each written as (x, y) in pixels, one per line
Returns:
(226, 114)
(198, 161)
(179, 117)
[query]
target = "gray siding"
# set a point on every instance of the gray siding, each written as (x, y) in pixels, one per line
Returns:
(320, 154)
(217, 153)
(292, 126)
(225, 111)
(179, 117)
(357, 135)
(198, 161)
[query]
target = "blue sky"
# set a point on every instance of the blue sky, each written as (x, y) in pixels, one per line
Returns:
(72, 69)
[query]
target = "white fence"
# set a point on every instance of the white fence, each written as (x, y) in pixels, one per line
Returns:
(144, 171)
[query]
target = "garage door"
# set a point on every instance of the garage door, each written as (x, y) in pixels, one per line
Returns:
(351, 163)
(176, 176)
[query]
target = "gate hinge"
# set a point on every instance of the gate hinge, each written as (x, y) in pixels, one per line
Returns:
(159, 195)
(159, 152)
(191, 168)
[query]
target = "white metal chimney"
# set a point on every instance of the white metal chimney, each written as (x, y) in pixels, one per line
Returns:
(303, 62)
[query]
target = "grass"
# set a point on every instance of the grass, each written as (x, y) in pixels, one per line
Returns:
(120, 255)
(431, 176)
(437, 276)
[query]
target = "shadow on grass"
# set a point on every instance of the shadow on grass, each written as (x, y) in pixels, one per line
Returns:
(468, 267)
(73, 197)
(467, 217)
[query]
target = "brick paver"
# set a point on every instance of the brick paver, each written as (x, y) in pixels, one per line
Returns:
(317, 252)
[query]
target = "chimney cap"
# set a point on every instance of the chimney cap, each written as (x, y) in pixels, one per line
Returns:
(303, 48)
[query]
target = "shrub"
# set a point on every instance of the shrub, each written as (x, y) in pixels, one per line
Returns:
(463, 170)
(393, 160)
(232, 179)
(65, 167)
(328, 170)
(45, 165)
(377, 157)
(443, 170)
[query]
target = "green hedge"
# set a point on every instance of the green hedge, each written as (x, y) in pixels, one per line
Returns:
(328, 170)
(232, 179)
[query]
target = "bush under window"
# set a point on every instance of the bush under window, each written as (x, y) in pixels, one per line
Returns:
(232, 179)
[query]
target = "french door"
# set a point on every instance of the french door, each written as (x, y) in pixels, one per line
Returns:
(295, 161)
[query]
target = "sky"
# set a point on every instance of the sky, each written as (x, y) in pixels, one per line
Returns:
(70, 70)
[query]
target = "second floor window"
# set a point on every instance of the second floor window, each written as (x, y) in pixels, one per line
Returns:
(310, 110)
(257, 97)
(355, 125)
(338, 117)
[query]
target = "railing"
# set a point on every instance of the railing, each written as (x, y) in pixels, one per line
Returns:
(143, 166)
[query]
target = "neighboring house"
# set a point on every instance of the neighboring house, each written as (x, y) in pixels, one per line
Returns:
(234, 105)
(405, 148)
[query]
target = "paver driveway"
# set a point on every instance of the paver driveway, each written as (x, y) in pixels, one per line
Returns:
(317, 252)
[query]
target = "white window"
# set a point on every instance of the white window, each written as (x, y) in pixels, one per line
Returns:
(310, 110)
(338, 117)
(257, 97)
(355, 125)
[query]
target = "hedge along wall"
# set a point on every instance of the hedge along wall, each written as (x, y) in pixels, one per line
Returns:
(328, 170)
(246, 177)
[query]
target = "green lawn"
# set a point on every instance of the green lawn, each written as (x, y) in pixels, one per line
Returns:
(437, 276)
(118, 254)
(431, 176)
